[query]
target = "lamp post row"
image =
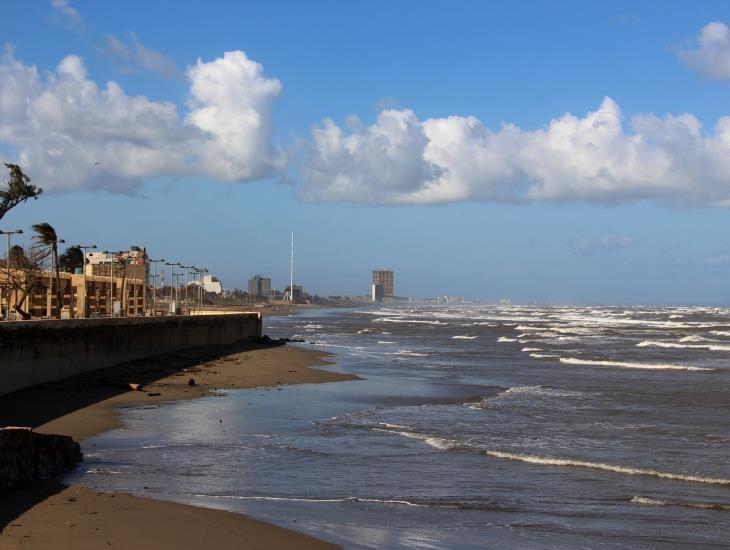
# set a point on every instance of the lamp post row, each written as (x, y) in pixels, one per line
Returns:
(7, 268)
(84, 248)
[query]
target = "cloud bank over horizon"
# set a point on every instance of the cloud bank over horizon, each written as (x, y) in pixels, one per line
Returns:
(403, 160)
(69, 133)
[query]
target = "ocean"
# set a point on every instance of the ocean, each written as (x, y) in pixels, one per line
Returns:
(476, 425)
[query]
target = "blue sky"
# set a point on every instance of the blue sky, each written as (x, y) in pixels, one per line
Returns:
(561, 213)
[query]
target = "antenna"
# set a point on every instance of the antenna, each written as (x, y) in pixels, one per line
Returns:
(291, 273)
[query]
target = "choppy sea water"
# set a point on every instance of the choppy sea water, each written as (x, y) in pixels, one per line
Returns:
(529, 427)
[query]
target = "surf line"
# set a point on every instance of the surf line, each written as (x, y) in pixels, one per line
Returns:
(551, 461)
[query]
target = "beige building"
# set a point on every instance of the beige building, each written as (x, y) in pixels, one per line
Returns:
(106, 296)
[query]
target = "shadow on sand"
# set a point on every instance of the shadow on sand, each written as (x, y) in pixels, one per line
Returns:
(40, 404)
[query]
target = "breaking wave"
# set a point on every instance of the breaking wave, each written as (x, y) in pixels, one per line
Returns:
(453, 445)
(553, 461)
(648, 501)
(656, 344)
(628, 365)
(408, 353)
(544, 356)
(401, 320)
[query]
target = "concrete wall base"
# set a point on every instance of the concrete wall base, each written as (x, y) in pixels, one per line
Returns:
(33, 352)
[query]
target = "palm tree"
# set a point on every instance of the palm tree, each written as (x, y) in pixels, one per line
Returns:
(72, 259)
(46, 236)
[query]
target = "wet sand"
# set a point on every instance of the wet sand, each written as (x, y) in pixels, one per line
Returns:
(46, 515)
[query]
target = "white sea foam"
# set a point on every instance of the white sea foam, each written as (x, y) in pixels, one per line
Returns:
(505, 339)
(693, 339)
(328, 345)
(385, 342)
(409, 353)
(324, 500)
(720, 332)
(648, 501)
(629, 365)
(394, 426)
(554, 461)
(531, 349)
(401, 320)
(104, 471)
(544, 356)
(657, 344)
(464, 337)
(529, 392)
(440, 443)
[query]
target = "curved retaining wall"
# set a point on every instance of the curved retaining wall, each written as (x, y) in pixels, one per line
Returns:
(33, 352)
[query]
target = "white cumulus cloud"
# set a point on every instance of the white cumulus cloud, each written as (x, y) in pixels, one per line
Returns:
(69, 133)
(711, 53)
(595, 158)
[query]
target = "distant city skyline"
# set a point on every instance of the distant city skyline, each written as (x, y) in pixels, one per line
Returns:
(569, 153)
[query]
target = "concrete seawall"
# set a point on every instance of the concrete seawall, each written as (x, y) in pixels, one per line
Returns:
(32, 352)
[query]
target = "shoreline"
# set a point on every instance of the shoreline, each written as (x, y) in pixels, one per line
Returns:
(275, 310)
(89, 404)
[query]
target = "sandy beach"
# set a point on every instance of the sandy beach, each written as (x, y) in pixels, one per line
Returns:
(47, 515)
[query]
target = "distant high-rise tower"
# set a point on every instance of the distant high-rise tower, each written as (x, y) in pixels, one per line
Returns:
(382, 285)
(259, 286)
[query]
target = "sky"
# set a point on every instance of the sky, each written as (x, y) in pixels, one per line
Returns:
(559, 152)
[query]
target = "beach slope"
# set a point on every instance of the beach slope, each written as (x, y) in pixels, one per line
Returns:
(46, 515)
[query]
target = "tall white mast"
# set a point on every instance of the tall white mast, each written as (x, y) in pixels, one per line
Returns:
(291, 273)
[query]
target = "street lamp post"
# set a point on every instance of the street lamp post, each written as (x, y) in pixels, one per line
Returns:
(186, 267)
(110, 305)
(111, 282)
(154, 286)
(7, 267)
(172, 280)
(84, 248)
(200, 289)
(193, 273)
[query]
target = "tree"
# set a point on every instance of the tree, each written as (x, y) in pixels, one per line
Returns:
(71, 259)
(25, 276)
(46, 237)
(17, 189)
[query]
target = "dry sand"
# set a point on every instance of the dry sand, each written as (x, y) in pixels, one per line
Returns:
(46, 515)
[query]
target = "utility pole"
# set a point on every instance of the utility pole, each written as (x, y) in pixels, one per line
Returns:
(291, 272)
